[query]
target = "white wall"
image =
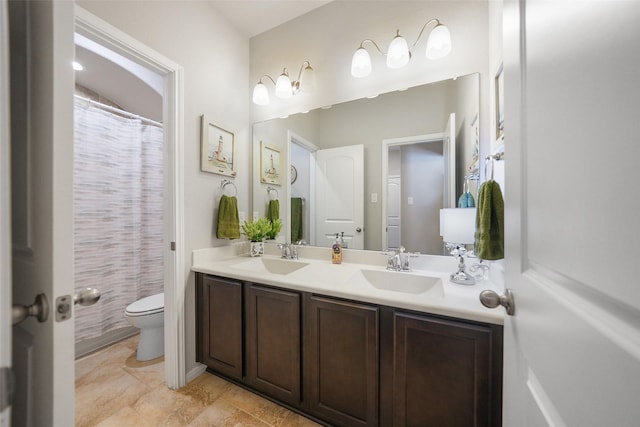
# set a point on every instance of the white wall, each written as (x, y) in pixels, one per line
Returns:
(215, 58)
(329, 35)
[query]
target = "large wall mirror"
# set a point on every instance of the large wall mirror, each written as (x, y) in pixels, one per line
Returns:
(376, 169)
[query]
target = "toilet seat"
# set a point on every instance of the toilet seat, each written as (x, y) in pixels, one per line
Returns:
(146, 306)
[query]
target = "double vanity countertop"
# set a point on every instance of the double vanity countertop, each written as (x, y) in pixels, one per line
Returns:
(362, 276)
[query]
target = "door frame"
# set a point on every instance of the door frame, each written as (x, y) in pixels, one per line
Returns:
(5, 208)
(109, 36)
(294, 138)
(386, 144)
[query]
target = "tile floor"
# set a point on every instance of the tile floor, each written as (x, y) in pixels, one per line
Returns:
(114, 389)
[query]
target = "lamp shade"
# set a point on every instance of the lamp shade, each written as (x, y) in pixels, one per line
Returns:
(398, 53)
(361, 63)
(283, 86)
(307, 81)
(439, 42)
(260, 94)
(458, 225)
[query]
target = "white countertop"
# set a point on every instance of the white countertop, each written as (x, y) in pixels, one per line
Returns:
(320, 276)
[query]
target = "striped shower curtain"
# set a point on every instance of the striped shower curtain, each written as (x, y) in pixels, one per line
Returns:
(118, 209)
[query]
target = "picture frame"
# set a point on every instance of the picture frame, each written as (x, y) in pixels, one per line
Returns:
(217, 149)
(270, 164)
(499, 94)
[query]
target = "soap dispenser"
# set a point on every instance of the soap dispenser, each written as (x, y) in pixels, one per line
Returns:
(336, 251)
(343, 242)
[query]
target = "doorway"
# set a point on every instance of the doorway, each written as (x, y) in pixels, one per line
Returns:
(171, 81)
(414, 179)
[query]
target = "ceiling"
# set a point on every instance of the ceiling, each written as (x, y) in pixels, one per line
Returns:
(253, 17)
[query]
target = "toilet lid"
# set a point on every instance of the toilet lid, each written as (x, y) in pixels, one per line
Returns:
(147, 304)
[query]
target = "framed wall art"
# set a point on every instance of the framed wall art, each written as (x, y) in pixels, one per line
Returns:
(270, 167)
(217, 149)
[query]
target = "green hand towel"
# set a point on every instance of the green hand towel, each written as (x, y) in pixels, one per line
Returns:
(490, 222)
(228, 219)
(273, 210)
(296, 219)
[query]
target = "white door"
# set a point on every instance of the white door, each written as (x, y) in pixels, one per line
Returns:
(572, 350)
(394, 211)
(42, 155)
(5, 221)
(340, 195)
(449, 155)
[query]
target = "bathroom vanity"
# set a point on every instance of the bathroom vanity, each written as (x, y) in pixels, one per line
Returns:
(338, 343)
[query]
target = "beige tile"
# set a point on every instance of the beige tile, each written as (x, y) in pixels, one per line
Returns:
(206, 388)
(296, 420)
(126, 417)
(98, 400)
(221, 413)
(255, 405)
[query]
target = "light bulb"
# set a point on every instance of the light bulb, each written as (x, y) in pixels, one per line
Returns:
(361, 63)
(398, 54)
(283, 86)
(439, 42)
(307, 81)
(260, 94)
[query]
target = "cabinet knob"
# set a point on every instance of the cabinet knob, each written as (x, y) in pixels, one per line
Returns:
(491, 299)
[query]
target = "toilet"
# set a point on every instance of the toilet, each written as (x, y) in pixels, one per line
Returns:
(147, 314)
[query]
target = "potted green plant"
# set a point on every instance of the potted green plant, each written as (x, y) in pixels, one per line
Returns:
(276, 226)
(256, 231)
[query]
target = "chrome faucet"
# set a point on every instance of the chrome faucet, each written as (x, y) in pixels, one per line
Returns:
(399, 260)
(288, 251)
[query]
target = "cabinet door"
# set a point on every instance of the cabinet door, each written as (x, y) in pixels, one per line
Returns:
(273, 342)
(219, 321)
(444, 373)
(341, 361)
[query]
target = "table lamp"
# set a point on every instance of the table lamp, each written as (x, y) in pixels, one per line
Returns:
(457, 228)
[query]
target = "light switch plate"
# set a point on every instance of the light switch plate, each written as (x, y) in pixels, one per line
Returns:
(410, 200)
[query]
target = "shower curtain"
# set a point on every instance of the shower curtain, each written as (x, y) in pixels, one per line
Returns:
(118, 209)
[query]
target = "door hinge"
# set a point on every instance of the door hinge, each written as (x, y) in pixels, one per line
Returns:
(7, 388)
(172, 246)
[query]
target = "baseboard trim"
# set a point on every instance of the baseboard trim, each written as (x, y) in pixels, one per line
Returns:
(195, 372)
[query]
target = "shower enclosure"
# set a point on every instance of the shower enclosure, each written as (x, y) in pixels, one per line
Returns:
(118, 217)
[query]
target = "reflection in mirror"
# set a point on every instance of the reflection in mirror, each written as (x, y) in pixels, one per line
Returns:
(415, 146)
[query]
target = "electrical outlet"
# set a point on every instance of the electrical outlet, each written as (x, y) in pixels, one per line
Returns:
(255, 215)
(374, 197)
(241, 216)
(410, 200)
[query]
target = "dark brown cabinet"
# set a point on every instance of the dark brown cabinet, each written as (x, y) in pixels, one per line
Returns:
(273, 336)
(445, 372)
(219, 324)
(341, 361)
(346, 363)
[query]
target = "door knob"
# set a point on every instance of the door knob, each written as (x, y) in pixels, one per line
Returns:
(491, 299)
(39, 309)
(86, 296)
(359, 229)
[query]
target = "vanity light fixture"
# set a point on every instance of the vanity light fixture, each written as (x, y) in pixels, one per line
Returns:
(285, 88)
(399, 52)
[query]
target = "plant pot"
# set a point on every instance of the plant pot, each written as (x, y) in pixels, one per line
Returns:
(256, 248)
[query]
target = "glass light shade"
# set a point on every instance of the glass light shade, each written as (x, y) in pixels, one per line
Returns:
(307, 81)
(260, 94)
(439, 42)
(361, 63)
(398, 53)
(458, 225)
(283, 86)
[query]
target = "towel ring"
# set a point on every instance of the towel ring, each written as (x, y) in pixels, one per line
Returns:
(224, 184)
(270, 191)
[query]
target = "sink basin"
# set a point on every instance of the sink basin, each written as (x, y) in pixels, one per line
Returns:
(270, 265)
(395, 281)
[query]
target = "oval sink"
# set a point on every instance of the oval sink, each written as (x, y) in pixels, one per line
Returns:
(270, 265)
(399, 282)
